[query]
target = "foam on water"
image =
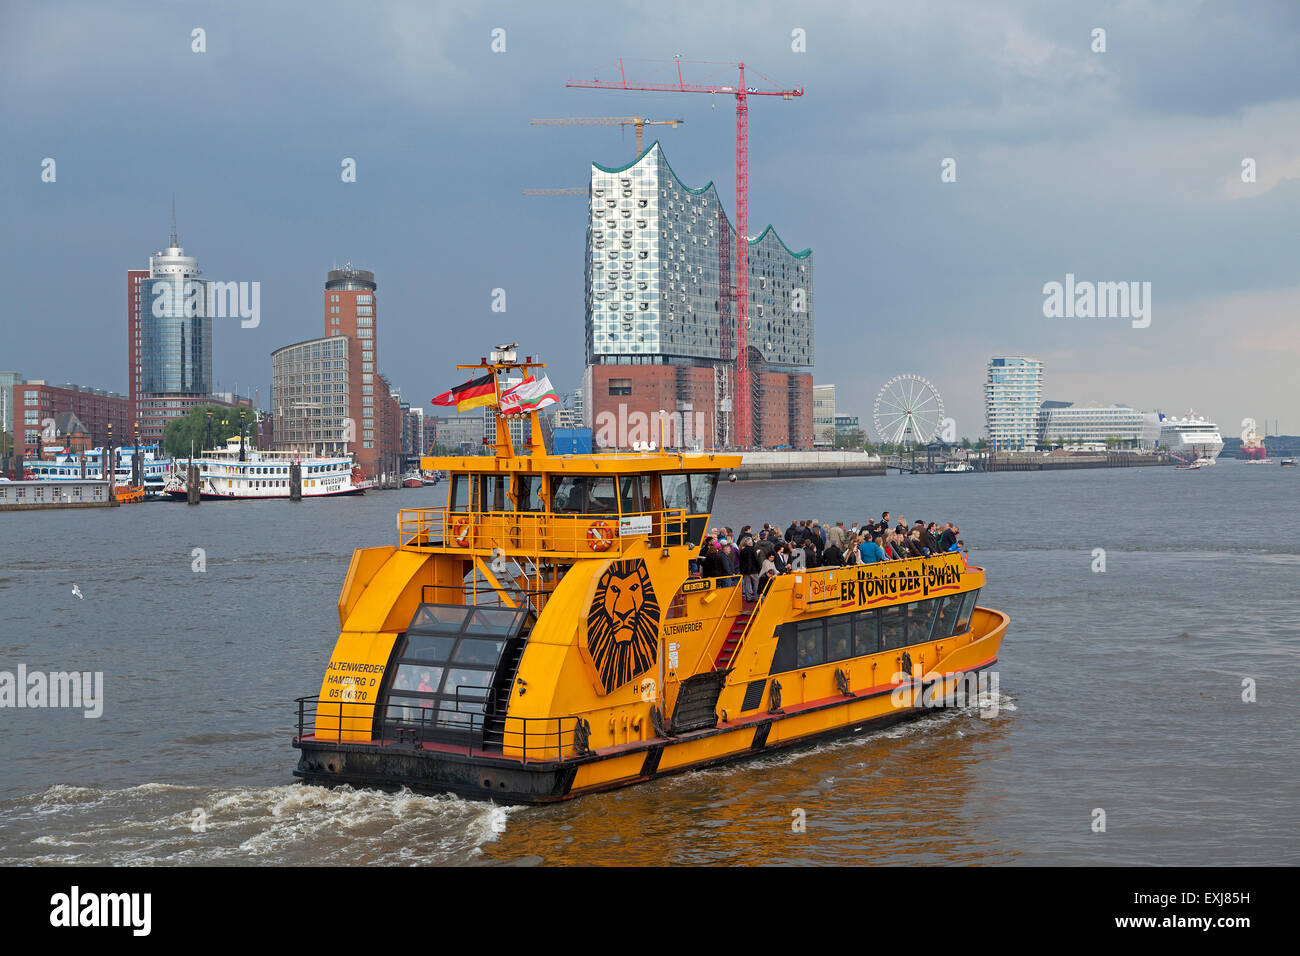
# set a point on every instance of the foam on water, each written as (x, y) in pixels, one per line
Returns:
(164, 823)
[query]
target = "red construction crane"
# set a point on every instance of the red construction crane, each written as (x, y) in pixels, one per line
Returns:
(741, 92)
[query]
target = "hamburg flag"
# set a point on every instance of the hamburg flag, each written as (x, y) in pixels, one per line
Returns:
(474, 394)
(528, 396)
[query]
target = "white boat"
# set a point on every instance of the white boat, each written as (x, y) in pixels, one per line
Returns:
(67, 466)
(265, 474)
(1192, 437)
(957, 467)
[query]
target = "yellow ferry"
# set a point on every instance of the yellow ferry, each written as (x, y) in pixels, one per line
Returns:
(542, 636)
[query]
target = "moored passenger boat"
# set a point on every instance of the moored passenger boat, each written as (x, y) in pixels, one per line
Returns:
(232, 475)
(542, 636)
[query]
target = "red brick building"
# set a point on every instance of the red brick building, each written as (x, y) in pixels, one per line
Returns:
(37, 403)
(351, 310)
(676, 406)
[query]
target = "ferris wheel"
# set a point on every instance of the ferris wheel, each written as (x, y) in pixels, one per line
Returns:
(908, 409)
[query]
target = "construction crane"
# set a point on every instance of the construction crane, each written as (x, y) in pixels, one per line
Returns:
(561, 191)
(625, 121)
(741, 91)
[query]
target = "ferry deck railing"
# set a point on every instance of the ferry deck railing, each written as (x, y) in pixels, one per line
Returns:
(539, 533)
(473, 729)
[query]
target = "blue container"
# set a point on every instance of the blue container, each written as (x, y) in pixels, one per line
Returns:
(571, 441)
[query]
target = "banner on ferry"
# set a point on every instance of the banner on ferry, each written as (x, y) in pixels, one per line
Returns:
(528, 396)
(874, 584)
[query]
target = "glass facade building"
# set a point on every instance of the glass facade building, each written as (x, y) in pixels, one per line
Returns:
(659, 276)
(309, 396)
(175, 329)
(1076, 424)
(1012, 393)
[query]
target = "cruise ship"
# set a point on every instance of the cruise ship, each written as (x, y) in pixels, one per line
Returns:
(1194, 438)
(265, 474)
(67, 466)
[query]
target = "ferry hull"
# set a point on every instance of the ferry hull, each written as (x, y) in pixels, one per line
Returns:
(433, 770)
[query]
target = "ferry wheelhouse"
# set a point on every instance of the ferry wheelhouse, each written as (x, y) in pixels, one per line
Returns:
(542, 635)
(265, 474)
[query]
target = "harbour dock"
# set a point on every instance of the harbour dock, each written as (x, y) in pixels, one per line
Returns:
(43, 495)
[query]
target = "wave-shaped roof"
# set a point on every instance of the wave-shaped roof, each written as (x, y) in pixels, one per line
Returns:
(707, 186)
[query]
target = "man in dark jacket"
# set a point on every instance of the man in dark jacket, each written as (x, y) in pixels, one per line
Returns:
(715, 565)
(750, 565)
(832, 557)
(948, 536)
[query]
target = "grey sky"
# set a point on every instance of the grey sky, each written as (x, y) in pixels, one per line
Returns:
(1122, 166)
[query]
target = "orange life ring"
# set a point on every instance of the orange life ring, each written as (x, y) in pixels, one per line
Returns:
(460, 531)
(599, 537)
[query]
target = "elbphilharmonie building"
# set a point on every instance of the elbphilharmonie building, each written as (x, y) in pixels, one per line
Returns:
(660, 311)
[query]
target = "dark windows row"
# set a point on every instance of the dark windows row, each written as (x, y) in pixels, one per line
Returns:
(583, 494)
(857, 634)
(442, 680)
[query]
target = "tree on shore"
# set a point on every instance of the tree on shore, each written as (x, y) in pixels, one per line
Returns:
(193, 428)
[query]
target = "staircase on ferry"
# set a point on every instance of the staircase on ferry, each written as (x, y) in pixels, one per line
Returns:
(498, 701)
(733, 638)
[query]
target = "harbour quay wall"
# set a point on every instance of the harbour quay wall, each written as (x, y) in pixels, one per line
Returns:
(41, 495)
(808, 464)
(1040, 462)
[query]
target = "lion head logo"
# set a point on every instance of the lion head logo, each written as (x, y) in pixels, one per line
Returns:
(623, 624)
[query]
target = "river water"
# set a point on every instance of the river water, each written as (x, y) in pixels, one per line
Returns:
(1119, 692)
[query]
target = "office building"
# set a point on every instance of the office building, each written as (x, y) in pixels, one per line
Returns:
(1012, 393)
(169, 339)
(823, 416)
(660, 316)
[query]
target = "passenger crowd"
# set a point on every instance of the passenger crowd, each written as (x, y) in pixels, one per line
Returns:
(757, 557)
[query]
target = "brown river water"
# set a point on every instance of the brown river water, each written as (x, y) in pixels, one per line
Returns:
(1118, 691)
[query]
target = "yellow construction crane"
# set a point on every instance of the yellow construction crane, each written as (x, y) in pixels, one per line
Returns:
(637, 122)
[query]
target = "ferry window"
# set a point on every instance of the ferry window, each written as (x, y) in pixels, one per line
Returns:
(492, 492)
(427, 647)
(917, 616)
(600, 496)
(946, 614)
(473, 651)
(458, 499)
(893, 628)
(810, 649)
(676, 495)
(702, 486)
(469, 683)
(839, 637)
(530, 493)
(569, 494)
(785, 657)
(441, 617)
(967, 609)
(866, 637)
(495, 621)
(417, 677)
(631, 496)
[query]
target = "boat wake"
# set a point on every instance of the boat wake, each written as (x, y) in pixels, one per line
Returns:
(166, 824)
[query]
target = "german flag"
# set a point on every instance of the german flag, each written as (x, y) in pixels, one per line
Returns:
(475, 394)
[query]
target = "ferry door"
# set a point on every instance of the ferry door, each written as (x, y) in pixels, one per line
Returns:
(634, 499)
